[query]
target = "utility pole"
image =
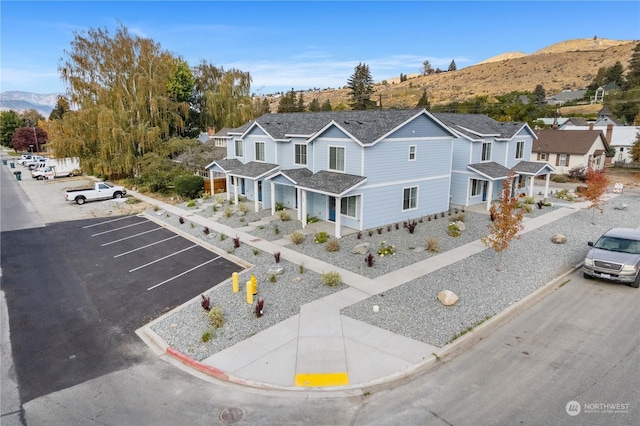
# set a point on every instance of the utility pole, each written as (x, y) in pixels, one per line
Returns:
(35, 136)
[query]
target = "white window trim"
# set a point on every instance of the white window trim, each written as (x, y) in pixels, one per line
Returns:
(355, 206)
(264, 151)
(306, 154)
(409, 188)
(478, 185)
(235, 147)
(415, 152)
(520, 144)
(562, 160)
(489, 144)
(344, 158)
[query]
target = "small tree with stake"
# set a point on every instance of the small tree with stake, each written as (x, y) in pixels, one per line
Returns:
(597, 182)
(506, 223)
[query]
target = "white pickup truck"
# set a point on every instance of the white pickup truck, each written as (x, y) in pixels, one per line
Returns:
(100, 191)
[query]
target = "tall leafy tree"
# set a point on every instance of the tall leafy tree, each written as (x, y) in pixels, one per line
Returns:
(26, 138)
(10, 121)
(633, 72)
(300, 105)
(361, 85)
(452, 66)
(423, 102)
(119, 84)
(222, 97)
(426, 69)
(635, 149)
(326, 105)
(60, 109)
(314, 105)
(539, 94)
(31, 117)
(288, 102)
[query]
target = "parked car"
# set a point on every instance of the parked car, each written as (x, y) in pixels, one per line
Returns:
(100, 191)
(615, 257)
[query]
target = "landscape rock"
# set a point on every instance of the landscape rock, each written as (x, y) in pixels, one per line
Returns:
(558, 239)
(275, 270)
(447, 297)
(361, 249)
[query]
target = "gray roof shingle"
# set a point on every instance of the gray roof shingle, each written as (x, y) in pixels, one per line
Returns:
(332, 183)
(254, 169)
(480, 125)
(490, 169)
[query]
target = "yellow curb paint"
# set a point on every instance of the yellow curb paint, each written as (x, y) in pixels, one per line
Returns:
(322, 379)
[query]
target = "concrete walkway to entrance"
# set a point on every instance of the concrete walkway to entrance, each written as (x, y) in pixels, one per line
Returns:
(322, 349)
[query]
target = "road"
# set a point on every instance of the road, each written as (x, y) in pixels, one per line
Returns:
(580, 343)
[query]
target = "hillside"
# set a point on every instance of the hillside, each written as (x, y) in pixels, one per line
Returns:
(568, 65)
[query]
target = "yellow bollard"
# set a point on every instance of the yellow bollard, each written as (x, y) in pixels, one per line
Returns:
(250, 292)
(234, 279)
(254, 283)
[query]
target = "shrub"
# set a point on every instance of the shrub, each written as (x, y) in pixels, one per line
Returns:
(386, 250)
(190, 186)
(219, 199)
(228, 212)
(311, 219)
(321, 237)
(206, 336)
(453, 229)
(205, 302)
(273, 278)
(332, 245)
(181, 220)
(216, 317)
(223, 237)
(236, 242)
(458, 217)
(370, 260)
(301, 268)
(279, 206)
(243, 208)
(529, 199)
(206, 230)
(432, 244)
(191, 203)
(528, 208)
(560, 179)
(284, 216)
(276, 256)
(577, 173)
(297, 237)
(256, 252)
(259, 307)
(276, 230)
(411, 225)
(331, 278)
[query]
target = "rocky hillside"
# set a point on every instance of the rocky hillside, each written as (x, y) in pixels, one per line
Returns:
(568, 65)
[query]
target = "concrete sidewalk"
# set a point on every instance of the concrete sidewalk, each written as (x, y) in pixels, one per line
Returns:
(321, 349)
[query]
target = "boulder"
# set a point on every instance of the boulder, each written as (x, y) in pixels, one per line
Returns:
(558, 239)
(447, 297)
(461, 226)
(361, 249)
(275, 270)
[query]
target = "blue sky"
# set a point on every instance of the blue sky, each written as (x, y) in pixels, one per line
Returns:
(302, 45)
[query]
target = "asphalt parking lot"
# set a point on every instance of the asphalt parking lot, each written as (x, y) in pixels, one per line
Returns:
(77, 291)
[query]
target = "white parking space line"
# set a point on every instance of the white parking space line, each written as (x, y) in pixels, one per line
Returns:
(163, 258)
(144, 247)
(122, 227)
(184, 273)
(108, 221)
(132, 236)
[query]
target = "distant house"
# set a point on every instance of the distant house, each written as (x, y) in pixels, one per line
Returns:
(566, 149)
(566, 96)
(218, 139)
(605, 118)
(366, 169)
(563, 122)
(619, 138)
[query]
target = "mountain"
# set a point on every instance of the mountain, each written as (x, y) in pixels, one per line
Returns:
(21, 101)
(568, 65)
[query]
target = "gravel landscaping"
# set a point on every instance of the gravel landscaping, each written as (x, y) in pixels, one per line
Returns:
(411, 309)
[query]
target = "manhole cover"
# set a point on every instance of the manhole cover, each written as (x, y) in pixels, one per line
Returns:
(231, 415)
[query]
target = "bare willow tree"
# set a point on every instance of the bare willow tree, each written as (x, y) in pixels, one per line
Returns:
(123, 106)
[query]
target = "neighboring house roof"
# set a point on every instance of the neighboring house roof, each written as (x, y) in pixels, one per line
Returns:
(478, 126)
(332, 183)
(366, 126)
(566, 96)
(254, 169)
(567, 142)
(531, 168)
(226, 164)
(490, 170)
(564, 121)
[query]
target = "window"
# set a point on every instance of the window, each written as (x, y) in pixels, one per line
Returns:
(412, 153)
(410, 198)
(519, 149)
(239, 150)
(336, 158)
(542, 156)
(476, 187)
(348, 206)
(300, 154)
(486, 151)
(562, 159)
(259, 151)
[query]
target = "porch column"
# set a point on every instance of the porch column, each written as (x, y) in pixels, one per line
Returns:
(228, 179)
(531, 178)
(256, 203)
(235, 190)
(546, 185)
(273, 198)
(337, 224)
(303, 201)
(299, 207)
(213, 190)
(489, 194)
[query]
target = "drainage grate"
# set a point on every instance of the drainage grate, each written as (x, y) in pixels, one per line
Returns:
(231, 415)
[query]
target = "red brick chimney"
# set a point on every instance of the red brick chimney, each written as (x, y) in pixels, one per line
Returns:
(590, 126)
(609, 133)
(211, 131)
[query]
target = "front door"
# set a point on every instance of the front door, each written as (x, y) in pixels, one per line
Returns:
(332, 209)
(485, 184)
(242, 188)
(259, 190)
